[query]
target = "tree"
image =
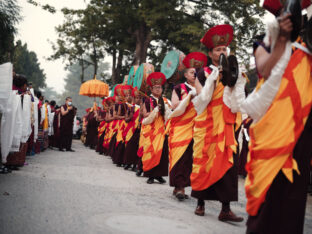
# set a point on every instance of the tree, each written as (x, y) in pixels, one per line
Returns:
(50, 94)
(78, 39)
(25, 62)
(9, 17)
(72, 86)
(133, 31)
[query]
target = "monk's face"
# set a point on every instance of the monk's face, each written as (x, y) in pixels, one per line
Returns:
(137, 99)
(190, 76)
(157, 90)
(215, 53)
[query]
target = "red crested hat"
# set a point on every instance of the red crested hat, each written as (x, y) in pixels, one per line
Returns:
(274, 6)
(88, 110)
(135, 92)
(126, 88)
(195, 60)
(156, 78)
(118, 90)
(220, 35)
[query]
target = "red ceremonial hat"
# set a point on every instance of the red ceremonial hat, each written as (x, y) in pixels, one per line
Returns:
(156, 78)
(220, 35)
(118, 90)
(195, 60)
(274, 6)
(135, 92)
(88, 110)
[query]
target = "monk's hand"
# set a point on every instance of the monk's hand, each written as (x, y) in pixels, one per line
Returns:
(70, 107)
(286, 27)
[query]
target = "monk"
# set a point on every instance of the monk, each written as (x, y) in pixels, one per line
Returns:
(66, 125)
(181, 125)
(155, 146)
(214, 174)
(280, 135)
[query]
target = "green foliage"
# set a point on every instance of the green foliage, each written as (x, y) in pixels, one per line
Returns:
(136, 31)
(46, 7)
(72, 87)
(25, 62)
(9, 17)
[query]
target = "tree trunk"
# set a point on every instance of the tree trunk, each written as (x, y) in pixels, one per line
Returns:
(118, 67)
(143, 38)
(82, 70)
(114, 67)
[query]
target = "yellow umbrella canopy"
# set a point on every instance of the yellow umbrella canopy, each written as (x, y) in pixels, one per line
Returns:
(94, 88)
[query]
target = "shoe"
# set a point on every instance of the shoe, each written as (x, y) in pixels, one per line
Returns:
(5, 170)
(118, 165)
(180, 195)
(70, 150)
(225, 216)
(62, 150)
(160, 180)
(13, 168)
(127, 166)
(200, 210)
(139, 172)
(150, 180)
(174, 192)
(133, 168)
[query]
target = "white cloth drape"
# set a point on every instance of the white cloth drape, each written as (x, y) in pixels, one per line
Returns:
(51, 119)
(258, 102)
(6, 76)
(18, 124)
(202, 100)
(26, 131)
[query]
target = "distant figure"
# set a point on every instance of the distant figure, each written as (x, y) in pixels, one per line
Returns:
(66, 125)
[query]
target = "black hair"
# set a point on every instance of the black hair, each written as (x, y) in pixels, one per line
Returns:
(19, 81)
(68, 98)
(52, 103)
(37, 93)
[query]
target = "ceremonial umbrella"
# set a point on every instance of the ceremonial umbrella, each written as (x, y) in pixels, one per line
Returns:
(94, 88)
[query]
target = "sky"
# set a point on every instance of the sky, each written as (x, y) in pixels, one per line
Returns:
(38, 28)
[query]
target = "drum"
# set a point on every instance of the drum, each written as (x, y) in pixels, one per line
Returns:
(131, 75)
(141, 75)
(172, 66)
(125, 81)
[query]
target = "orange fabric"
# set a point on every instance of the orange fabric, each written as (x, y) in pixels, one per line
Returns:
(101, 128)
(132, 125)
(180, 131)
(121, 127)
(94, 88)
(154, 136)
(273, 138)
(141, 144)
(46, 120)
(214, 142)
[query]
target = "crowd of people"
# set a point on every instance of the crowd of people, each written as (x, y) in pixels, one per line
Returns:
(29, 123)
(212, 130)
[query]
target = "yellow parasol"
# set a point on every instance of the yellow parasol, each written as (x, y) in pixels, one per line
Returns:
(94, 88)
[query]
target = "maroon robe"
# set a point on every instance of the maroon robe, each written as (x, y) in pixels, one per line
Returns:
(66, 129)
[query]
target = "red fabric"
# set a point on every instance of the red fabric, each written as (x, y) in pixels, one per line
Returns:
(225, 33)
(274, 6)
(195, 60)
(156, 76)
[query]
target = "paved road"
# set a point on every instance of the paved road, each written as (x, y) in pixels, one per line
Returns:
(83, 192)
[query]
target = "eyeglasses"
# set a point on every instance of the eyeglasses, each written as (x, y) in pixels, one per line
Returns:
(157, 87)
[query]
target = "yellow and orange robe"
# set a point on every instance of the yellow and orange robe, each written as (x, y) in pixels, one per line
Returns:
(109, 131)
(273, 138)
(153, 137)
(214, 142)
(180, 128)
(133, 123)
